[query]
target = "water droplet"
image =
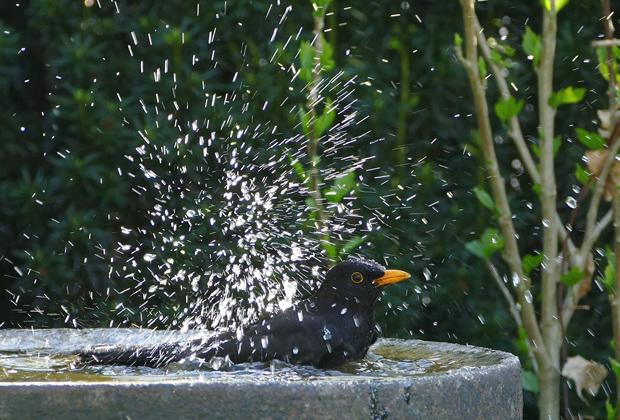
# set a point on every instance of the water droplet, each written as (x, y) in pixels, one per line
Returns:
(264, 341)
(356, 321)
(546, 223)
(343, 311)
(571, 202)
(295, 350)
(327, 334)
(300, 316)
(515, 279)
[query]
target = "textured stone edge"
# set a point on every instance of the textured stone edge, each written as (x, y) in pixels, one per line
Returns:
(472, 393)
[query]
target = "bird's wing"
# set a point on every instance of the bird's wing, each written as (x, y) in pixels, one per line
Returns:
(285, 336)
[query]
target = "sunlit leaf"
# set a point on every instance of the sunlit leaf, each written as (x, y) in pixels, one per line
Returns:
(572, 277)
(531, 262)
(559, 4)
(532, 45)
(458, 40)
(327, 55)
(508, 108)
(306, 60)
(568, 95)
(343, 185)
(590, 139)
(324, 121)
(489, 243)
(482, 67)
(581, 174)
(351, 245)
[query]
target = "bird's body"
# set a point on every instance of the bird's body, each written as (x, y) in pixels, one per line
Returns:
(333, 326)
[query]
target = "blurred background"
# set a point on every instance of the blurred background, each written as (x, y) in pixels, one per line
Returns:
(71, 86)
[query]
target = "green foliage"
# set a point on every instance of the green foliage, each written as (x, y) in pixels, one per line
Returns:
(530, 262)
(572, 277)
(326, 119)
(530, 381)
(557, 143)
(608, 277)
(610, 410)
(327, 55)
(581, 174)
(506, 109)
(532, 45)
(482, 68)
(484, 198)
(603, 67)
(306, 61)
(490, 242)
(559, 4)
(590, 139)
(343, 186)
(568, 95)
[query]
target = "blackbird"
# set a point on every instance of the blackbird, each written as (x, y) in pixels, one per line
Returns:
(332, 326)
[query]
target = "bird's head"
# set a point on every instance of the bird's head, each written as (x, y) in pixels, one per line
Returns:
(360, 280)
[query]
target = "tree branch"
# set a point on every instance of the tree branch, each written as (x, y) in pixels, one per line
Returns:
(550, 274)
(512, 255)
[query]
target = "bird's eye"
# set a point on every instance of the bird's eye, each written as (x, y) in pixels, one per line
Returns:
(357, 277)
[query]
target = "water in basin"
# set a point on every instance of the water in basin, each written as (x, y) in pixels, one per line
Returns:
(49, 356)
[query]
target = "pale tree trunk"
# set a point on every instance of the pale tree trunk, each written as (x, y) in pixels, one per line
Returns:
(549, 374)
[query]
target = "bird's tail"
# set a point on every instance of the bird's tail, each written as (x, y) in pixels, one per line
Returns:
(154, 356)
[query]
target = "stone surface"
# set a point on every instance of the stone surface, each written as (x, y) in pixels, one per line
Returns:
(490, 391)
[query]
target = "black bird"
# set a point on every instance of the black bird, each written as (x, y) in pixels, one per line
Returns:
(333, 326)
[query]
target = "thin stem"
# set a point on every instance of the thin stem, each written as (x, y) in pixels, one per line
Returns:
(512, 307)
(313, 141)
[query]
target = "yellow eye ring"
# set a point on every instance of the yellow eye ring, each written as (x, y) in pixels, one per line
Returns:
(357, 277)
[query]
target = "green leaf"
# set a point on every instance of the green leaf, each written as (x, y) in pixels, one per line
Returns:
(532, 45)
(306, 60)
(531, 262)
(568, 95)
(529, 381)
(351, 245)
(559, 4)
(615, 367)
(327, 55)
(320, 7)
(609, 274)
(484, 198)
(482, 68)
(557, 143)
(490, 242)
(330, 250)
(299, 169)
(590, 139)
(343, 185)
(325, 120)
(601, 53)
(610, 410)
(572, 277)
(476, 248)
(304, 118)
(508, 108)
(458, 40)
(582, 174)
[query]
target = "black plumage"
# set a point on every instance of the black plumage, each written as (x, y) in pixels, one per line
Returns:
(333, 326)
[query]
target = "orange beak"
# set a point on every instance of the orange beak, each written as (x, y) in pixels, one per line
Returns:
(391, 276)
